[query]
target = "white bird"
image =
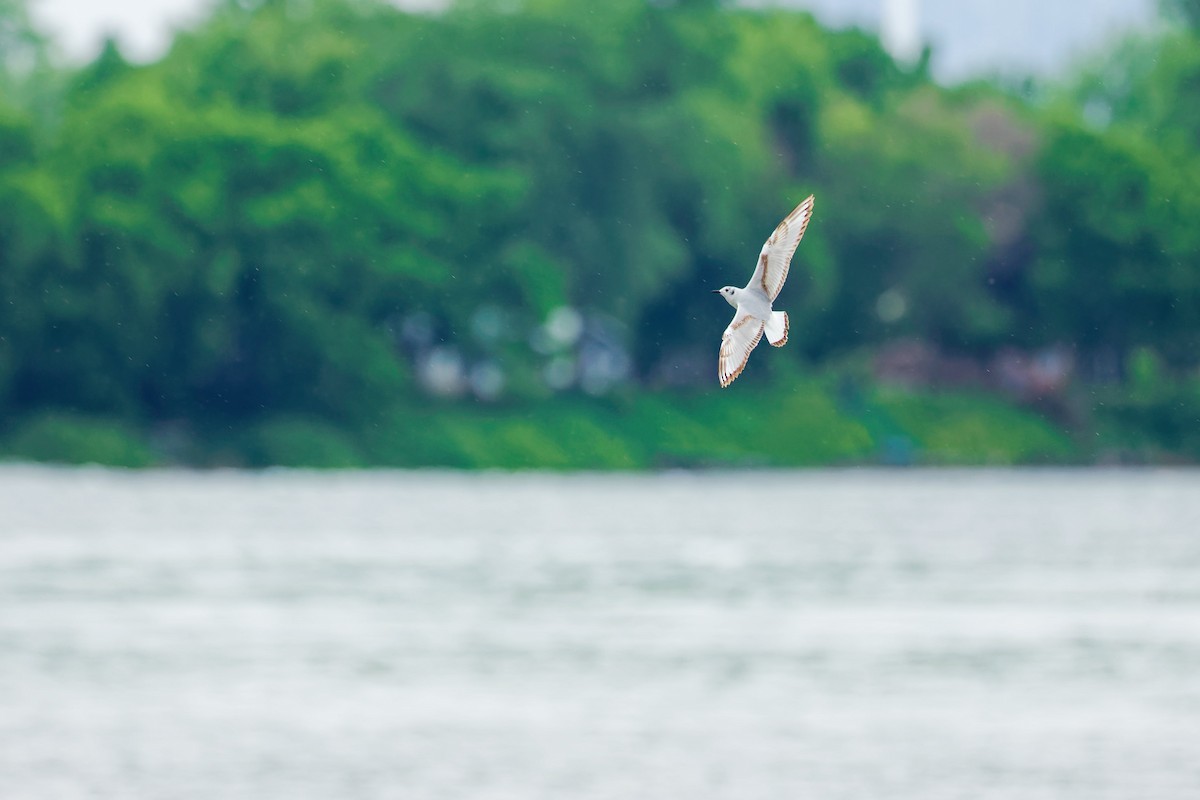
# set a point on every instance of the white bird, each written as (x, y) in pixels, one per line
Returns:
(754, 315)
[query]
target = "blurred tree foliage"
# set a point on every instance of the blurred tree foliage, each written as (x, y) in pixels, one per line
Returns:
(1118, 266)
(307, 203)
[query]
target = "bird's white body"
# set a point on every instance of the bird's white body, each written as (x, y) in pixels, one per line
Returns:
(755, 315)
(752, 300)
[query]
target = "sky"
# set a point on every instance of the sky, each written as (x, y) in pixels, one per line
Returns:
(969, 37)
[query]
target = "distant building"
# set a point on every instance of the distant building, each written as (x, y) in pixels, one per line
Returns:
(901, 29)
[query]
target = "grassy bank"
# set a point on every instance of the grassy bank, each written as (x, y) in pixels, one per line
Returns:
(811, 421)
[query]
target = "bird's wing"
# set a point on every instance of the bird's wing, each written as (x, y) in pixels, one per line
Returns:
(776, 255)
(741, 337)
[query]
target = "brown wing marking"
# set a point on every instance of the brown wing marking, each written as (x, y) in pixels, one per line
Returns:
(723, 374)
(787, 326)
(801, 213)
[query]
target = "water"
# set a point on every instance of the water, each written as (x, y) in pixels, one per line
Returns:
(857, 635)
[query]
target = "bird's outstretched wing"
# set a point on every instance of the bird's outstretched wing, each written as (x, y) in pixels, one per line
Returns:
(741, 337)
(776, 255)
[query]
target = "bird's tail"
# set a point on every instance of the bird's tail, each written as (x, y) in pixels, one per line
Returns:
(777, 328)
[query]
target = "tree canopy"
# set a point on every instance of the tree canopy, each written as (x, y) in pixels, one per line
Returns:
(336, 210)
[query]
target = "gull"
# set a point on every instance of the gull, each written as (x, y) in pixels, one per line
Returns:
(754, 315)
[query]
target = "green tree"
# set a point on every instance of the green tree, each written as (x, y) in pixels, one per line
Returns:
(229, 262)
(1117, 259)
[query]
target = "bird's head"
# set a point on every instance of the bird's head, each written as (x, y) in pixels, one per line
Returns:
(729, 293)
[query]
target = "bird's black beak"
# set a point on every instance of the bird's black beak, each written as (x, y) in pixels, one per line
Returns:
(716, 291)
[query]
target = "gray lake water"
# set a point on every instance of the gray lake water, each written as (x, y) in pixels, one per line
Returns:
(859, 635)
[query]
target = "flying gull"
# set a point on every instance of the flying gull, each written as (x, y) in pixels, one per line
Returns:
(754, 315)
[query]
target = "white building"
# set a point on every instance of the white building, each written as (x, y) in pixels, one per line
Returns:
(900, 29)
